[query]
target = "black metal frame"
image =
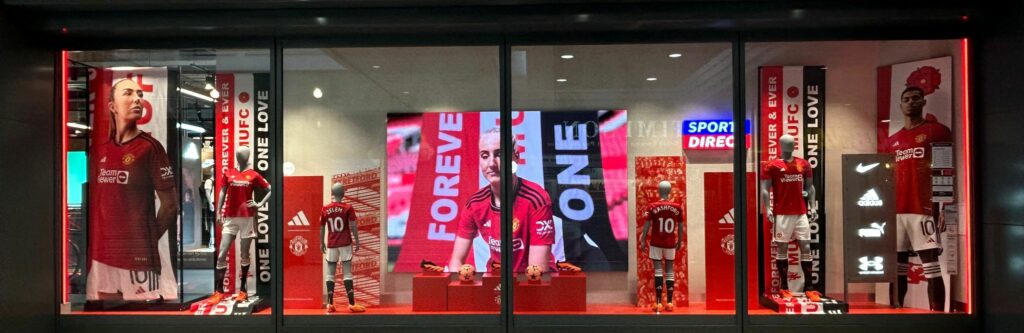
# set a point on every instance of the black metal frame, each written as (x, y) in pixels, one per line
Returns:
(494, 26)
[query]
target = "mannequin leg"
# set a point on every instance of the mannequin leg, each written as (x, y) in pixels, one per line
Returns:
(246, 260)
(332, 268)
(782, 263)
(347, 279)
(670, 281)
(933, 272)
(657, 281)
(806, 264)
(902, 268)
(226, 240)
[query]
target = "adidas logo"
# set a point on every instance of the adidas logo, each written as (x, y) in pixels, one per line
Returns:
(487, 224)
(727, 219)
(870, 199)
(299, 220)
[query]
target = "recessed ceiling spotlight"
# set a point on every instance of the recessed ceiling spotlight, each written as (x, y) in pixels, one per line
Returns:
(652, 79)
(376, 66)
(317, 93)
(567, 56)
(561, 80)
(675, 55)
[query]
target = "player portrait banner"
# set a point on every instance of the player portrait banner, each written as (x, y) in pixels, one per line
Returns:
(243, 118)
(933, 76)
(792, 101)
(303, 261)
(362, 191)
(428, 189)
(155, 83)
(650, 171)
(720, 239)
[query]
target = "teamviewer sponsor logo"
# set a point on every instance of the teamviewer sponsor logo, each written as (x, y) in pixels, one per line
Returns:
(112, 177)
(874, 231)
(871, 266)
(870, 199)
(299, 220)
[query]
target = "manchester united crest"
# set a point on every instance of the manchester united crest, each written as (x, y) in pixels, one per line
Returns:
(515, 224)
(920, 138)
(128, 159)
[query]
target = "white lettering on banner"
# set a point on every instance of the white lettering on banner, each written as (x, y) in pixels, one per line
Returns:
(812, 121)
(566, 140)
(444, 210)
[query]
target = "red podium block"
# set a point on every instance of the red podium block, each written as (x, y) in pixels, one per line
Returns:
(430, 292)
(571, 291)
(492, 288)
(470, 297)
(532, 296)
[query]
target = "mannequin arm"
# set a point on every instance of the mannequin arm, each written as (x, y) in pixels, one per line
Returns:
(323, 239)
(354, 230)
(809, 196)
(266, 197)
(766, 196)
(220, 202)
(643, 234)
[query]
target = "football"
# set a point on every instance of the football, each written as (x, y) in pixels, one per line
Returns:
(467, 273)
(533, 273)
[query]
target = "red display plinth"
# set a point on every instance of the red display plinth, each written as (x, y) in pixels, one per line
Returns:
(430, 292)
(802, 305)
(564, 292)
(471, 297)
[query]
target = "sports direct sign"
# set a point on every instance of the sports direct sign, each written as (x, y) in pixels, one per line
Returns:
(711, 134)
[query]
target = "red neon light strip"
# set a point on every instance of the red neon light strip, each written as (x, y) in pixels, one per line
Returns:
(965, 64)
(63, 175)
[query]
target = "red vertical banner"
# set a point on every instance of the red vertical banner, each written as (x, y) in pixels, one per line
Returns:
(303, 262)
(719, 239)
(362, 191)
(224, 154)
(771, 129)
(651, 170)
(447, 175)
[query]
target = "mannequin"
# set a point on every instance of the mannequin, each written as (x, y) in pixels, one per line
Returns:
(667, 237)
(791, 181)
(235, 212)
(340, 239)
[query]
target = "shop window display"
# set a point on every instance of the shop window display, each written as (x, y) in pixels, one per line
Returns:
(632, 145)
(391, 169)
(148, 197)
(880, 223)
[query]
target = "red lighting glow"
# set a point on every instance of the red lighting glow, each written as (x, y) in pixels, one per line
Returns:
(63, 175)
(968, 173)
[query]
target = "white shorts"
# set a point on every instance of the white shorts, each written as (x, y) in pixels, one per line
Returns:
(343, 253)
(790, 227)
(239, 226)
(661, 253)
(132, 285)
(916, 232)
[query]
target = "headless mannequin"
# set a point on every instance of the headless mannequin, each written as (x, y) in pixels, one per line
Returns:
(787, 144)
(227, 240)
(664, 189)
(337, 194)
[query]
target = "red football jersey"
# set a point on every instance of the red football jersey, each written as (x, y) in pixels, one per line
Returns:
(122, 213)
(240, 187)
(532, 223)
(912, 151)
(788, 185)
(336, 216)
(665, 217)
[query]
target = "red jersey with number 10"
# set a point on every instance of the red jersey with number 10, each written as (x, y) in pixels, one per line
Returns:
(240, 186)
(912, 151)
(665, 217)
(122, 212)
(336, 216)
(788, 185)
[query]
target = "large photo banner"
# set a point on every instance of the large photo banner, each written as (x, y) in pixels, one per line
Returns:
(792, 101)
(577, 157)
(243, 117)
(650, 171)
(113, 241)
(933, 76)
(303, 261)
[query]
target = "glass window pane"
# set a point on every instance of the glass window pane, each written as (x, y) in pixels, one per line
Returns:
(404, 137)
(882, 159)
(142, 177)
(632, 146)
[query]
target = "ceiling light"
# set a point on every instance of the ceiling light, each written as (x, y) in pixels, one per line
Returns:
(376, 66)
(652, 79)
(405, 93)
(191, 128)
(208, 87)
(198, 95)
(567, 56)
(675, 55)
(561, 80)
(317, 93)
(214, 93)
(79, 126)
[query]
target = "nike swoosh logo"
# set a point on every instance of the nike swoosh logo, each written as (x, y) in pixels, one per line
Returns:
(861, 168)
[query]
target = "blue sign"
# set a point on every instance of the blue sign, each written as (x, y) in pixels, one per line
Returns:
(699, 127)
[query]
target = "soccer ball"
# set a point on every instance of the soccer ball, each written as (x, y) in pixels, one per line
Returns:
(467, 273)
(533, 273)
